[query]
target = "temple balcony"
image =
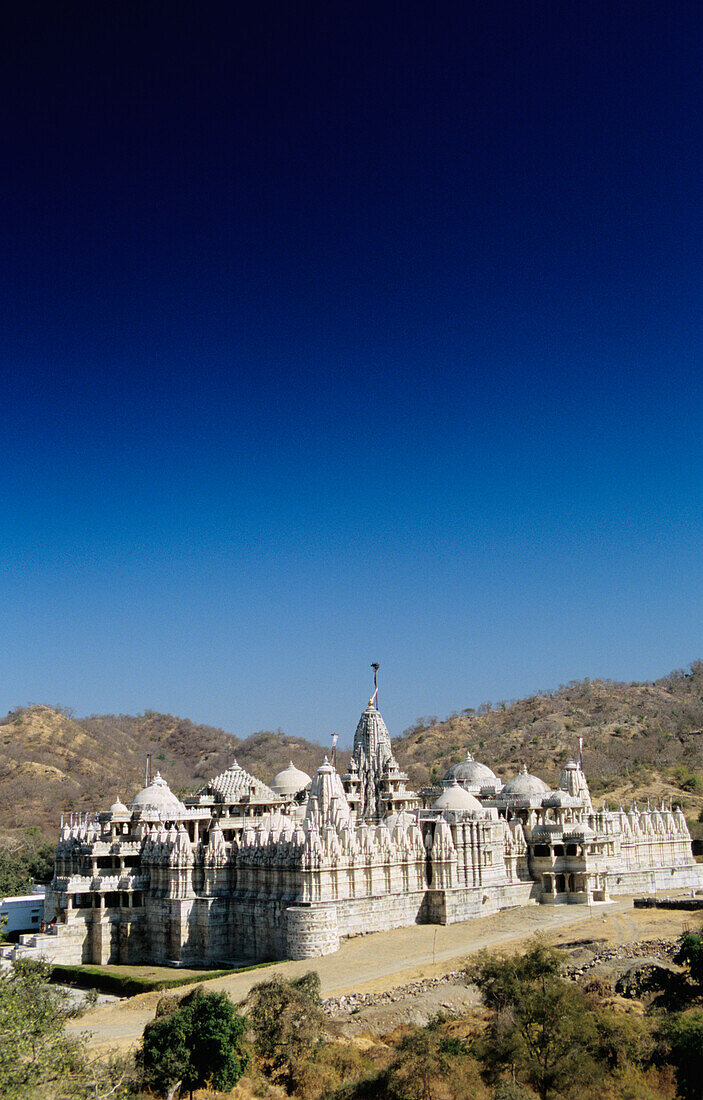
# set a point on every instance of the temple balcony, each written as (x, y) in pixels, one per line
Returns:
(561, 863)
(107, 883)
(108, 846)
(71, 884)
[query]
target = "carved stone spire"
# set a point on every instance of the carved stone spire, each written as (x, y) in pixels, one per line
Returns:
(372, 751)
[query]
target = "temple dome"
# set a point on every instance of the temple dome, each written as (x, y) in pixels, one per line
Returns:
(236, 784)
(471, 771)
(524, 785)
(290, 781)
(455, 797)
(118, 809)
(159, 798)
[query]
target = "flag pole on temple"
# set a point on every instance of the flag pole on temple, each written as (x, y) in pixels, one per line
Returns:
(335, 738)
(374, 698)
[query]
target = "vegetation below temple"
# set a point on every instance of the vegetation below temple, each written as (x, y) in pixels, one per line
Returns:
(544, 1031)
(640, 740)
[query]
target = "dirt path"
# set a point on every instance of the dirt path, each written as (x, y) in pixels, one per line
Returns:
(383, 960)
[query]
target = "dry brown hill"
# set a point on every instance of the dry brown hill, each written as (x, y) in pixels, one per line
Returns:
(52, 762)
(640, 739)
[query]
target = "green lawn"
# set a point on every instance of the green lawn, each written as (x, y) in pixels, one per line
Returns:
(126, 981)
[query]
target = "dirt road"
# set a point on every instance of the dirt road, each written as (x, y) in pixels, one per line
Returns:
(383, 960)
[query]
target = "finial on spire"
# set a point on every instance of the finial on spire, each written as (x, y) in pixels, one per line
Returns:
(373, 701)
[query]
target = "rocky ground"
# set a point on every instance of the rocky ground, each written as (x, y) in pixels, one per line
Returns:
(376, 1014)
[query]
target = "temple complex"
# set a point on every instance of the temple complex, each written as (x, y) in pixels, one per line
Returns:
(243, 872)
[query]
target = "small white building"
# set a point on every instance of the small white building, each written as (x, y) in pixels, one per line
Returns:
(24, 913)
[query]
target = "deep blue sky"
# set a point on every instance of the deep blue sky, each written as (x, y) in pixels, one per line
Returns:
(336, 333)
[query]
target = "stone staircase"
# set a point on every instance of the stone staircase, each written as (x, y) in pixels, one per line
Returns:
(58, 945)
(26, 949)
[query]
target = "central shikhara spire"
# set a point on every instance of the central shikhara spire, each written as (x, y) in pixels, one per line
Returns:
(372, 752)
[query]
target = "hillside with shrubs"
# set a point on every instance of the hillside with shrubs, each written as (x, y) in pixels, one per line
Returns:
(52, 762)
(640, 740)
(540, 1032)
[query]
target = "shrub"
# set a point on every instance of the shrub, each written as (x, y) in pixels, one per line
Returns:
(431, 1065)
(687, 780)
(690, 954)
(683, 1034)
(286, 1021)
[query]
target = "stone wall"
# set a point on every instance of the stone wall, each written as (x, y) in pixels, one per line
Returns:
(689, 904)
(453, 906)
(654, 879)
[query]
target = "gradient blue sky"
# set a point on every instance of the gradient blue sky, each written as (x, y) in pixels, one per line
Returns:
(336, 333)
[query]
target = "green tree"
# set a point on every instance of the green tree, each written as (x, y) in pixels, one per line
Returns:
(24, 861)
(286, 1022)
(502, 979)
(540, 1030)
(35, 1052)
(199, 1043)
(14, 874)
(38, 1061)
(683, 1034)
(619, 1039)
(39, 862)
(690, 954)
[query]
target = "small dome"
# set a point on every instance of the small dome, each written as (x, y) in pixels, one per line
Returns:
(470, 771)
(118, 809)
(290, 781)
(524, 785)
(455, 797)
(559, 798)
(159, 798)
(402, 818)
